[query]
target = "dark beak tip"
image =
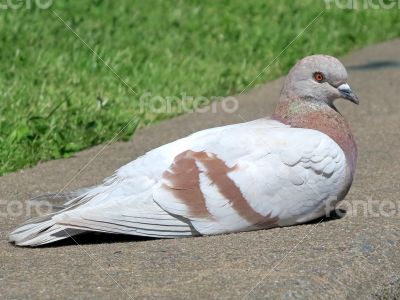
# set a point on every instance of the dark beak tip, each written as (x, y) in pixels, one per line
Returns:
(349, 95)
(352, 97)
(355, 99)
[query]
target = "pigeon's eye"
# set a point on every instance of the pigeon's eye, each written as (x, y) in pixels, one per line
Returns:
(319, 77)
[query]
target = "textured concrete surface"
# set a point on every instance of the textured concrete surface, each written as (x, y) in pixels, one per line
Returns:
(356, 256)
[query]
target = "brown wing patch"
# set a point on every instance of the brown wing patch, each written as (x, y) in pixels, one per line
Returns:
(184, 180)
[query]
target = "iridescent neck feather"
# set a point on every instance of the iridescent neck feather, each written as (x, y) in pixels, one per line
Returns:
(313, 114)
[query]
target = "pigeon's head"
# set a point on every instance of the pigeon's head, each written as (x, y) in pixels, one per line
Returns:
(319, 77)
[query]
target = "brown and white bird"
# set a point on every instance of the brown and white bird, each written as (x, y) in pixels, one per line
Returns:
(266, 173)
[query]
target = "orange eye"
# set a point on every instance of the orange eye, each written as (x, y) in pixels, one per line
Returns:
(318, 76)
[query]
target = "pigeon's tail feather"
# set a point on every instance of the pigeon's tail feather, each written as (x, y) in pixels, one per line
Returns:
(44, 229)
(97, 210)
(39, 231)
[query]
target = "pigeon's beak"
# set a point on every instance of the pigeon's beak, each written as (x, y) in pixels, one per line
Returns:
(347, 93)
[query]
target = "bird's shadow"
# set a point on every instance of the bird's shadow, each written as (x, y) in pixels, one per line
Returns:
(336, 214)
(93, 238)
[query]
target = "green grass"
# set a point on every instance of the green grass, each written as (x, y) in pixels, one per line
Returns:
(57, 97)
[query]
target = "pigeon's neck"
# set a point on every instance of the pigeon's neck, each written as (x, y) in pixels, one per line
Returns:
(312, 114)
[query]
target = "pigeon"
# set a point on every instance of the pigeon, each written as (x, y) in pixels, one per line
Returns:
(288, 169)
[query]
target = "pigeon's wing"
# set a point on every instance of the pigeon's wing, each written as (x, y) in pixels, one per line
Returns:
(127, 202)
(256, 176)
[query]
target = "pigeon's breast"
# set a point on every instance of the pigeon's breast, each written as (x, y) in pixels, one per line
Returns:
(329, 122)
